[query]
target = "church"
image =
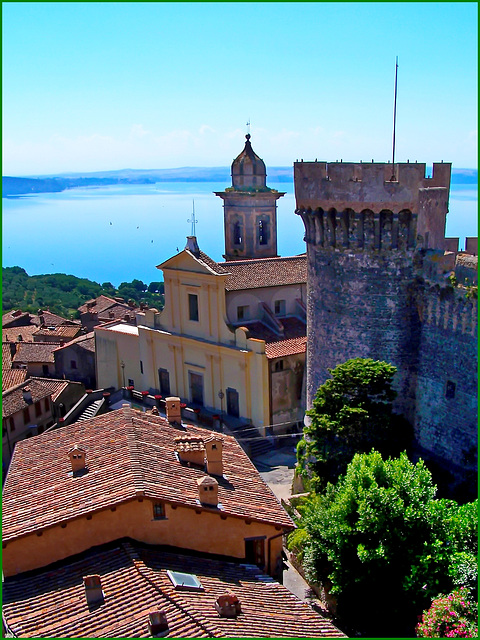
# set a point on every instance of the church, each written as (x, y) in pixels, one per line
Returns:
(231, 338)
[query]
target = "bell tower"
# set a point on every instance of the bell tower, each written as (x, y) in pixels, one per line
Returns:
(250, 209)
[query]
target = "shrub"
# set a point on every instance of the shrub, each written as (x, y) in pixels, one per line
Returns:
(450, 616)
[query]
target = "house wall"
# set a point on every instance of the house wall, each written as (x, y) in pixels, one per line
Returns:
(287, 391)
(187, 528)
(253, 297)
(22, 429)
(85, 365)
(111, 348)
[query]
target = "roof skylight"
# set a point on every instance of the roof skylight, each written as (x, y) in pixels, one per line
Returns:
(185, 581)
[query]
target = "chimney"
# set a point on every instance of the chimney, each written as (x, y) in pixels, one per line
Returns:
(192, 246)
(208, 491)
(190, 448)
(157, 622)
(93, 590)
(214, 455)
(174, 412)
(41, 318)
(228, 605)
(27, 395)
(78, 458)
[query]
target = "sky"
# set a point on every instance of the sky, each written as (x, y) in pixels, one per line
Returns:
(101, 86)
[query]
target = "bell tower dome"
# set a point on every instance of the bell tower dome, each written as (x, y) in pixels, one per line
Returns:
(250, 209)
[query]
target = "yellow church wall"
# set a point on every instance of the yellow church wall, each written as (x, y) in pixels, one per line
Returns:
(204, 531)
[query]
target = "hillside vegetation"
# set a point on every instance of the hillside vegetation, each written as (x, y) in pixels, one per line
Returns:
(63, 294)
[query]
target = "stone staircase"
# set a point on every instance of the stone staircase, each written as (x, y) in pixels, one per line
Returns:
(91, 410)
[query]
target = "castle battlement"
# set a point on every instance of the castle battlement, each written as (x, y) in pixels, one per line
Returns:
(448, 308)
(385, 197)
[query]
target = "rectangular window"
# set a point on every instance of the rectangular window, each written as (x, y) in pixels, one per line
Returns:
(193, 307)
(47, 404)
(158, 511)
(45, 369)
(26, 415)
(255, 551)
(450, 390)
(164, 379)
(11, 423)
(279, 307)
(73, 364)
(279, 365)
(243, 313)
(38, 409)
(131, 383)
(141, 366)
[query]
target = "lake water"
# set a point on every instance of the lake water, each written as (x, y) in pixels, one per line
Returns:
(120, 232)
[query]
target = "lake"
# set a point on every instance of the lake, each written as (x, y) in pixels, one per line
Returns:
(121, 232)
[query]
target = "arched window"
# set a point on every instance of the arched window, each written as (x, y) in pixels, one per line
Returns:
(237, 233)
(262, 232)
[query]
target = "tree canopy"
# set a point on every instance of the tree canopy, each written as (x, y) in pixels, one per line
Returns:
(384, 545)
(63, 293)
(351, 413)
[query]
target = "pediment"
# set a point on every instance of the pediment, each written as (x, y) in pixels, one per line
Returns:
(186, 261)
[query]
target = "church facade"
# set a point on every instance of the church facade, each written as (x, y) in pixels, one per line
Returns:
(232, 335)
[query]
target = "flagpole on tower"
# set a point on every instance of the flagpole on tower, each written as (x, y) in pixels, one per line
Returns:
(394, 111)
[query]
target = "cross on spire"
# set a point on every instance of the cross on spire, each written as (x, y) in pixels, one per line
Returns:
(193, 220)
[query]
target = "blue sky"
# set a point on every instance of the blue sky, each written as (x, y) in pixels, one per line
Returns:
(98, 86)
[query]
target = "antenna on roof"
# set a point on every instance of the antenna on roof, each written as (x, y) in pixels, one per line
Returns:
(192, 219)
(394, 113)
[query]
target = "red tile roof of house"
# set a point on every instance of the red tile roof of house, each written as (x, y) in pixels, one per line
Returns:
(12, 377)
(115, 312)
(99, 305)
(35, 352)
(55, 386)
(58, 331)
(13, 400)
(291, 342)
(265, 272)
(127, 452)
(52, 319)
(12, 334)
(86, 341)
(13, 316)
(134, 579)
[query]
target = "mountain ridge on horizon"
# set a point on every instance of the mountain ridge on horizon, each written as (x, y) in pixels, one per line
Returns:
(43, 183)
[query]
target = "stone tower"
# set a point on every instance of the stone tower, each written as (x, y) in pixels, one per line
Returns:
(379, 287)
(250, 209)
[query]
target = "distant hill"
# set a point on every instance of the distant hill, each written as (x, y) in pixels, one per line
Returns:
(12, 186)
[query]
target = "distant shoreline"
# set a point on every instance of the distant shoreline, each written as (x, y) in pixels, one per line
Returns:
(17, 186)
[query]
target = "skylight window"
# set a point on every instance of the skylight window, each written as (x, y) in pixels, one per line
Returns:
(186, 581)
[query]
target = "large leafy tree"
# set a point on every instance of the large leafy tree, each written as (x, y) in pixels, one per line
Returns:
(351, 413)
(381, 543)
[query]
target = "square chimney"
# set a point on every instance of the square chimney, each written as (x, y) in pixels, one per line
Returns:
(208, 491)
(173, 410)
(93, 590)
(78, 458)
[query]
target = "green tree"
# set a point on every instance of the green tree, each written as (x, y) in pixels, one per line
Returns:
(351, 413)
(382, 544)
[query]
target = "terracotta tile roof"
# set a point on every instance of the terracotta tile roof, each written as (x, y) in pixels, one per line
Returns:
(52, 603)
(12, 399)
(127, 451)
(13, 316)
(12, 377)
(52, 319)
(99, 305)
(59, 331)
(114, 312)
(292, 341)
(265, 272)
(11, 334)
(86, 342)
(35, 352)
(56, 387)
(6, 356)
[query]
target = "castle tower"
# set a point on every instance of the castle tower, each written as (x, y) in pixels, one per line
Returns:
(250, 209)
(367, 229)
